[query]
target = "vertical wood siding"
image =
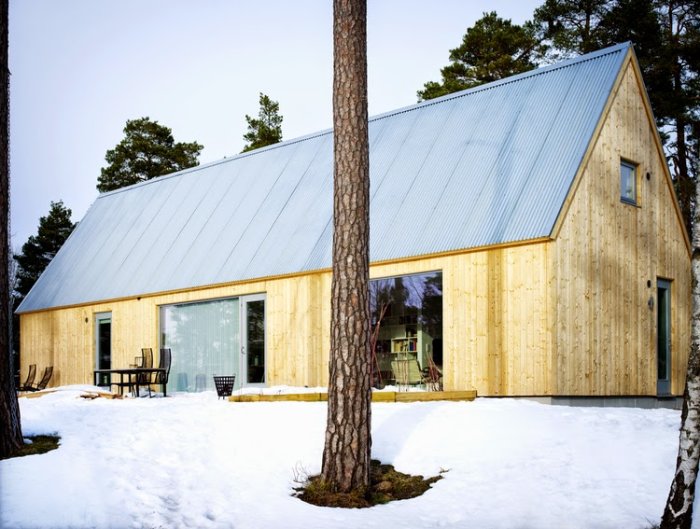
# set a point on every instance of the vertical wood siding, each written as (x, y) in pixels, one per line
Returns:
(563, 317)
(606, 252)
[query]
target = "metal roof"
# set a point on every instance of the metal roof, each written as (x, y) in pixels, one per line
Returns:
(485, 166)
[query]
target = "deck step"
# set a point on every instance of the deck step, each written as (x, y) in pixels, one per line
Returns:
(377, 396)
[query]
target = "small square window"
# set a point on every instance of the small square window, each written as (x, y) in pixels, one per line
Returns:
(628, 183)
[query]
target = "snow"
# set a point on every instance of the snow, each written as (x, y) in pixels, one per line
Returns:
(194, 461)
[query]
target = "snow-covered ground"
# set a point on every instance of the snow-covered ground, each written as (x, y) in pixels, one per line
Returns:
(192, 461)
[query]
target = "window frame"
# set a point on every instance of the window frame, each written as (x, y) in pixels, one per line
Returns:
(634, 201)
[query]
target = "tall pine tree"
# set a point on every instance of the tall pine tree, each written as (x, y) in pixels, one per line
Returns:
(10, 425)
(41, 248)
(678, 107)
(147, 151)
(571, 26)
(492, 49)
(266, 129)
(346, 453)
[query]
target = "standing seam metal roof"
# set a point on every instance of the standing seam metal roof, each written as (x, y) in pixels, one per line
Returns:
(489, 165)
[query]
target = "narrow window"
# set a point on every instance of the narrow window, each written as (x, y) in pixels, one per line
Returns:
(628, 182)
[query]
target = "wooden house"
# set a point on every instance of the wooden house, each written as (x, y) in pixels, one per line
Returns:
(525, 241)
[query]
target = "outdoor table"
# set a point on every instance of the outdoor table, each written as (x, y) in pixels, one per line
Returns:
(129, 372)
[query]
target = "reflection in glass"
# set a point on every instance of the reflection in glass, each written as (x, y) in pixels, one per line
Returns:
(406, 338)
(204, 339)
(255, 333)
(662, 333)
(104, 347)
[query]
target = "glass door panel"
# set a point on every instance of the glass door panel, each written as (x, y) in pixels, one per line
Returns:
(204, 340)
(663, 337)
(103, 345)
(253, 339)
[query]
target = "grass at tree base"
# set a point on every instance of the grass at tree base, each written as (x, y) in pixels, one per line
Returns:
(386, 484)
(39, 444)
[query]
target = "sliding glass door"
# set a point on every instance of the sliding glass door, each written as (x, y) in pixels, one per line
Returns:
(204, 339)
(215, 337)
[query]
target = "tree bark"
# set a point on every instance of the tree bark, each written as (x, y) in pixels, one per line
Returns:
(679, 506)
(685, 186)
(11, 431)
(346, 455)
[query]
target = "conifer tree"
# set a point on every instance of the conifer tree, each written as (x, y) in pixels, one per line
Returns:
(147, 151)
(41, 248)
(266, 129)
(346, 453)
(10, 424)
(492, 49)
(572, 25)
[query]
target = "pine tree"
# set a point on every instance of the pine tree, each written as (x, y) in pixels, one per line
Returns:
(267, 128)
(572, 25)
(678, 107)
(492, 49)
(10, 425)
(147, 151)
(346, 454)
(41, 248)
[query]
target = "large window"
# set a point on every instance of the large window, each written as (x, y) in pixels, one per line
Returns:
(407, 330)
(205, 341)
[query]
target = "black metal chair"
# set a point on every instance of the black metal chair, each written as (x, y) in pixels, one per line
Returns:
(30, 379)
(144, 379)
(161, 377)
(44, 380)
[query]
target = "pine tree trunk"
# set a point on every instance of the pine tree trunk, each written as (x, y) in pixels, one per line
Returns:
(679, 506)
(11, 431)
(346, 455)
(686, 187)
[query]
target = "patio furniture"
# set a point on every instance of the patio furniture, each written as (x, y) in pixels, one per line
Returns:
(30, 379)
(44, 380)
(224, 385)
(144, 379)
(407, 372)
(433, 376)
(200, 382)
(127, 376)
(161, 377)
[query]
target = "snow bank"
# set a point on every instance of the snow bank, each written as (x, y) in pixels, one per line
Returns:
(194, 461)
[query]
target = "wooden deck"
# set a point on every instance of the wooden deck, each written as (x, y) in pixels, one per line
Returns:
(377, 396)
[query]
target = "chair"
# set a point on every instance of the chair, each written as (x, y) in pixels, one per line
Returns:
(407, 372)
(162, 377)
(30, 379)
(433, 376)
(44, 380)
(144, 379)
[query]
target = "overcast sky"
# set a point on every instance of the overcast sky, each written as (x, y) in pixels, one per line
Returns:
(81, 68)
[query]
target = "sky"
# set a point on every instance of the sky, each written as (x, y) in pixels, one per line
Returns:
(81, 68)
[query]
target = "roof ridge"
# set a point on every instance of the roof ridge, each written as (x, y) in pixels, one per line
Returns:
(448, 97)
(509, 80)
